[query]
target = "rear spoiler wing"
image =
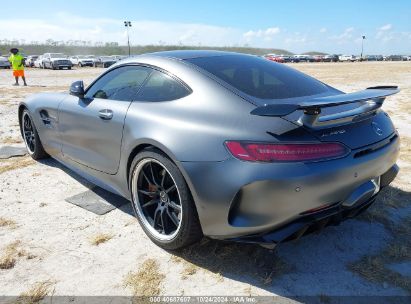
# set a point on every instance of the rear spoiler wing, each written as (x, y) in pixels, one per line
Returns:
(372, 99)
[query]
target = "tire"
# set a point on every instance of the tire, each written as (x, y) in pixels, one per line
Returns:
(36, 151)
(53, 66)
(69, 68)
(80, 65)
(188, 229)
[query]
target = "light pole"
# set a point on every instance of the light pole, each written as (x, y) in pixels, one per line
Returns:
(362, 46)
(127, 24)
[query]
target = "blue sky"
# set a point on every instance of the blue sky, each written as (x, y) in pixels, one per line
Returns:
(330, 26)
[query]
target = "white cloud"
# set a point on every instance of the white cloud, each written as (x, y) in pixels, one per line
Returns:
(385, 27)
(323, 30)
(344, 37)
(266, 34)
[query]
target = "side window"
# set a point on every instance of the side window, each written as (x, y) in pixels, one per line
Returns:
(162, 87)
(119, 84)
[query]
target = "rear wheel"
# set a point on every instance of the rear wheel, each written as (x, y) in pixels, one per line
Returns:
(162, 201)
(31, 137)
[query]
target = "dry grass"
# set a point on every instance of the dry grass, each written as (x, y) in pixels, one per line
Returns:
(188, 270)
(100, 238)
(4, 222)
(147, 280)
(14, 164)
(37, 293)
(11, 253)
(12, 140)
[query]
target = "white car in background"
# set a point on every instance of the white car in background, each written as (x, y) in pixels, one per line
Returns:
(38, 63)
(347, 58)
(81, 61)
(29, 62)
(93, 58)
(4, 63)
(56, 61)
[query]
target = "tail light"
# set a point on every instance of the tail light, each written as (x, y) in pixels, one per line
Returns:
(264, 152)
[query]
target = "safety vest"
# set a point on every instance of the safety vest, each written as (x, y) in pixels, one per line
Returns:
(17, 62)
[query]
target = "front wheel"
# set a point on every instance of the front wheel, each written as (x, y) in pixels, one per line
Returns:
(31, 137)
(162, 201)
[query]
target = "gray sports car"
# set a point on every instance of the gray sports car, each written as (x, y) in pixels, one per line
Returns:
(220, 144)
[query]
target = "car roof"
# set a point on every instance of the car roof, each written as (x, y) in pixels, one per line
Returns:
(187, 54)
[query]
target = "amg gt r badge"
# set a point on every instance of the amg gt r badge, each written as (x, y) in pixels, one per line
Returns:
(337, 132)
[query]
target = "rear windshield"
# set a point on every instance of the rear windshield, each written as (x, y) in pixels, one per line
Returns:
(260, 77)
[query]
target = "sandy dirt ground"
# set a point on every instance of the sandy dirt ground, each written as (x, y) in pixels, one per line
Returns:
(48, 246)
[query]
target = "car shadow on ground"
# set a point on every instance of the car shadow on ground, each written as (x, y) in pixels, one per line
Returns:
(314, 265)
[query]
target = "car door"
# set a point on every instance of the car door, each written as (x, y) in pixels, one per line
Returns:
(91, 128)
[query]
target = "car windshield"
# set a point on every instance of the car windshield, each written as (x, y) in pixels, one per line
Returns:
(57, 55)
(82, 57)
(260, 78)
(106, 58)
(90, 56)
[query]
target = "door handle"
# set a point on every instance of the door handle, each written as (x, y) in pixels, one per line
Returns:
(105, 114)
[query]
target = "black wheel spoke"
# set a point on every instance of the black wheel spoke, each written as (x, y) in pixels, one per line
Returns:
(148, 193)
(163, 220)
(156, 217)
(174, 206)
(150, 203)
(173, 187)
(172, 217)
(152, 174)
(146, 178)
(164, 173)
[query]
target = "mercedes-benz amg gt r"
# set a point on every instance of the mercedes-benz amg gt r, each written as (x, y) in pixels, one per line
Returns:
(225, 145)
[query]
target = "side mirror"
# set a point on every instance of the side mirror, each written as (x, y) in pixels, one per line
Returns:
(77, 89)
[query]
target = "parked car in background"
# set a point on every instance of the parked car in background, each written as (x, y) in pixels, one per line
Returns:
(370, 58)
(275, 58)
(394, 58)
(92, 57)
(288, 58)
(330, 58)
(347, 58)
(318, 58)
(119, 57)
(4, 63)
(105, 61)
(81, 61)
(304, 58)
(406, 58)
(38, 63)
(56, 61)
(379, 57)
(30, 60)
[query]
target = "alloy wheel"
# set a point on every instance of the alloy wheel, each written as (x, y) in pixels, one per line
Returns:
(156, 199)
(28, 132)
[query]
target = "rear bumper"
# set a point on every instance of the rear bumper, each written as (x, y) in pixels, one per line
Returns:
(236, 199)
(317, 220)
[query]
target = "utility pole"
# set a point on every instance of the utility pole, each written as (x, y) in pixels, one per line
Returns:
(127, 24)
(362, 46)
